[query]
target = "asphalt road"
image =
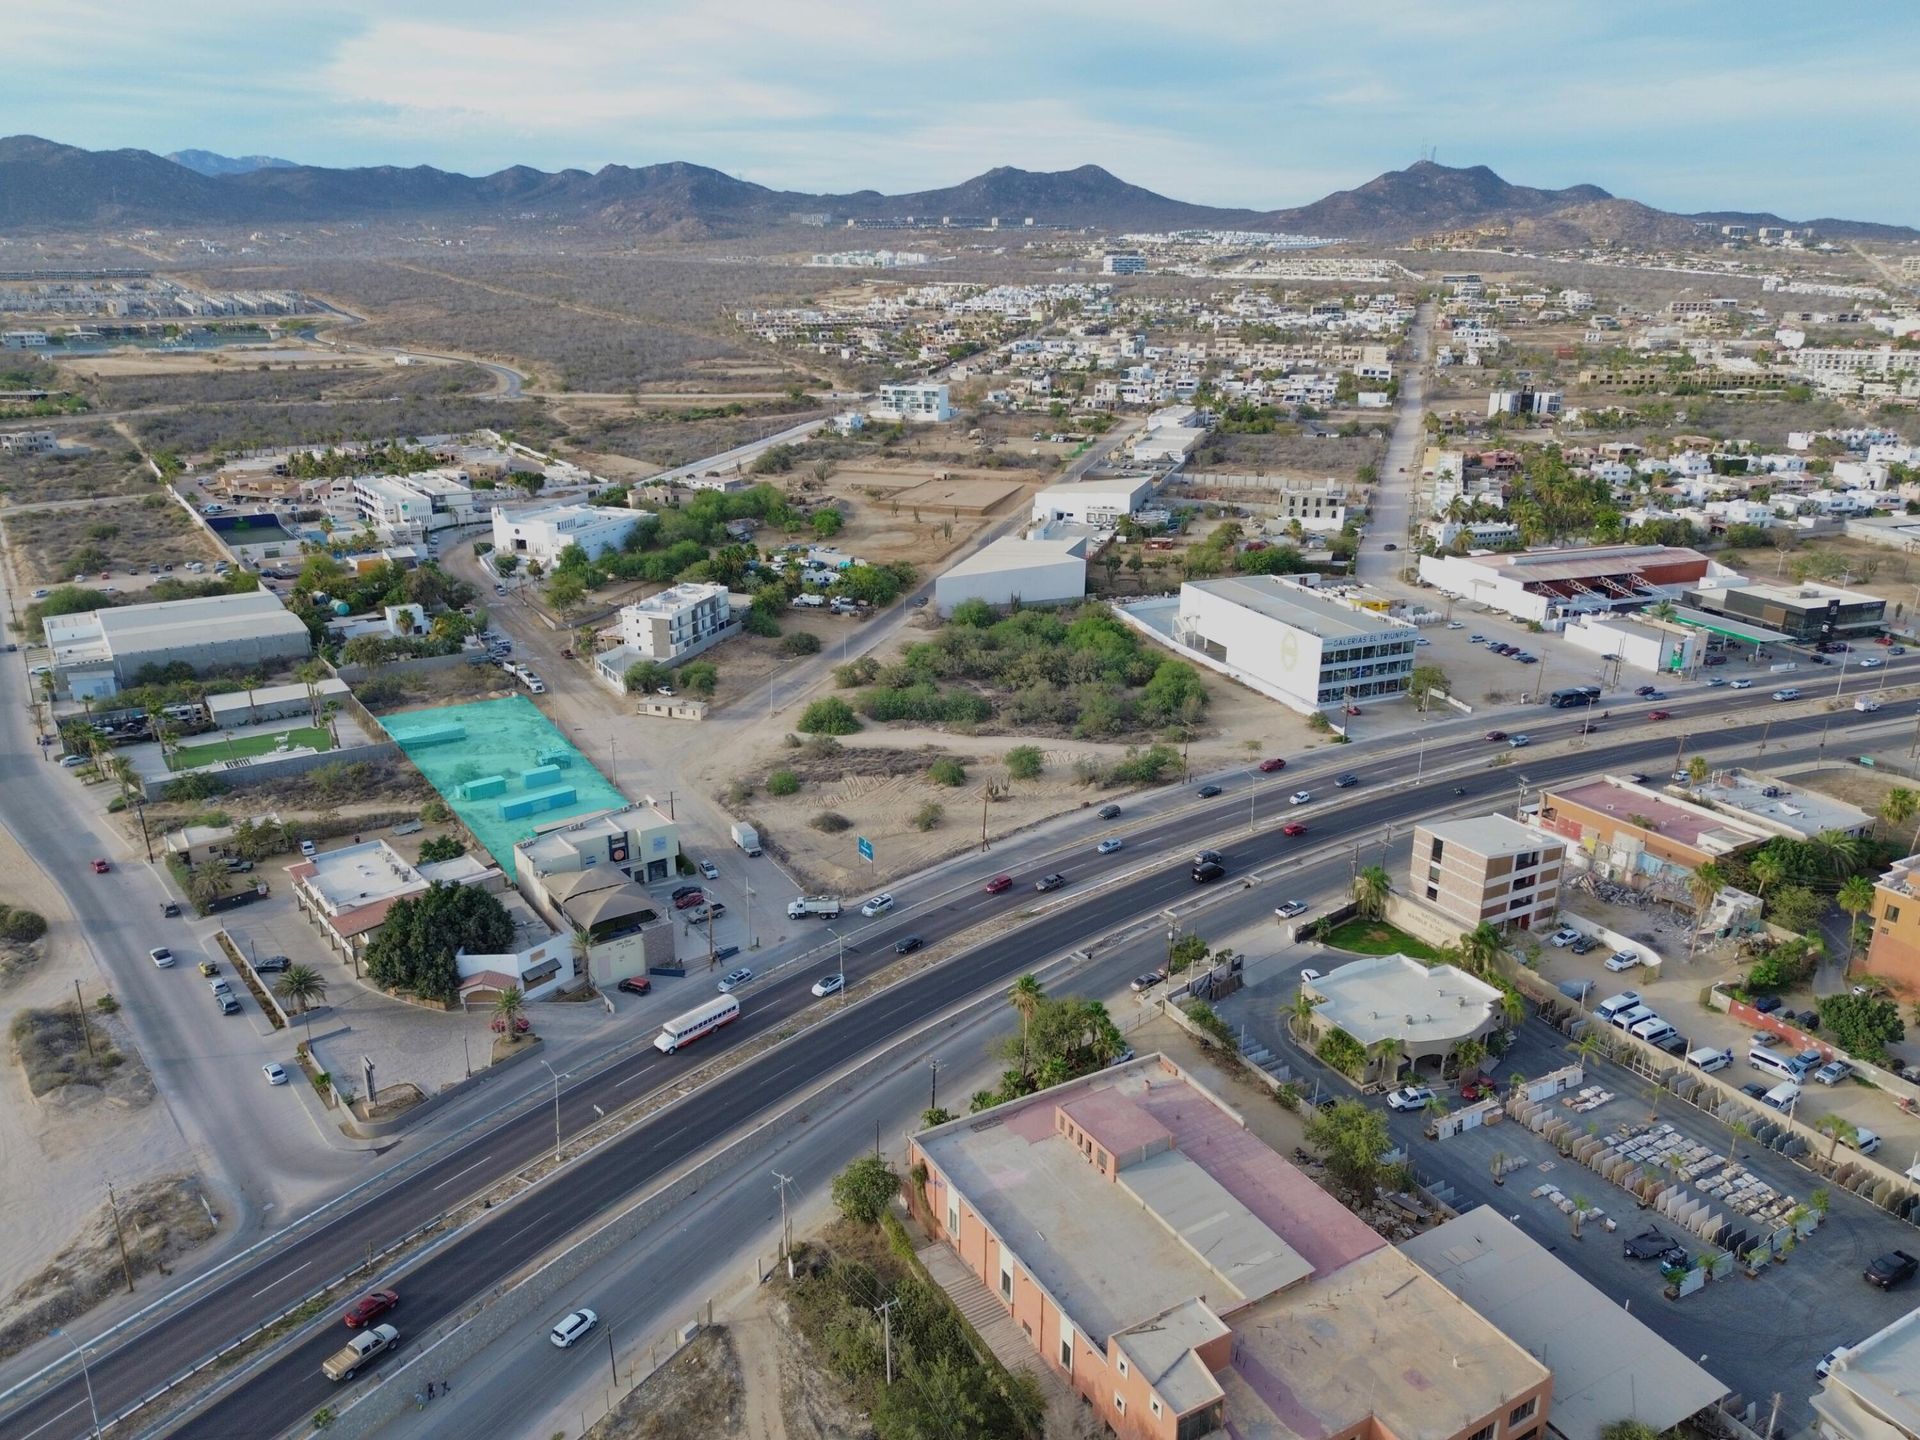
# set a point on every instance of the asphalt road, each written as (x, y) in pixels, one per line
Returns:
(293, 1387)
(1389, 521)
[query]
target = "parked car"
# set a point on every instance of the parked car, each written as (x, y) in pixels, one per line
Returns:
(710, 870)
(1584, 944)
(1655, 1244)
(1890, 1269)
(636, 985)
(209, 968)
(1207, 792)
(1142, 983)
(999, 885)
(1109, 845)
(72, 762)
(573, 1328)
(1267, 767)
(829, 985)
(1622, 960)
(693, 896)
(735, 979)
(1833, 1072)
(272, 964)
(1409, 1097)
(1563, 937)
(725, 952)
(1050, 882)
(1767, 1004)
(1290, 908)
(370, 1307)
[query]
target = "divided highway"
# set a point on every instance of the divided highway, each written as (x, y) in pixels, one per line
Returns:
(291, 1388)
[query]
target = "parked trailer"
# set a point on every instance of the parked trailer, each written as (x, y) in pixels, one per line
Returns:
(685, 1029)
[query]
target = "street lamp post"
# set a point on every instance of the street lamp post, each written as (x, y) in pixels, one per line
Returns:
(86, 1374)
(556, 1106)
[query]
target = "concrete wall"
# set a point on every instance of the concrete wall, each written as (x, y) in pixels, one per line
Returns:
(269, 768)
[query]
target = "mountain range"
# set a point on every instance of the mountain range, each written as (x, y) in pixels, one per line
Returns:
(46, 185)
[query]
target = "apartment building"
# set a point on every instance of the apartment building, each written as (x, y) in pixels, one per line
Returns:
(1185, 1281)
(1894, 952)
(1487, 867)
(543, 534)
(920, 403)
(407, 506)
(667, 628)
(1123, 264)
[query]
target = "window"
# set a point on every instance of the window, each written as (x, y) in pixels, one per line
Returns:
(1434, 855)
(1433, 892)
(1522, 1413)
(1893, 913)
(1119, 1403)
(1485, 1432)
(1123, 1367)
(1153, 1404)
(1006, 1279)
(1066, 1347)
(953, 1214)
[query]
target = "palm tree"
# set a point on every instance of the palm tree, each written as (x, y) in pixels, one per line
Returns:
(205, 884)
(583, 947)
(1370, 890)
(507, 1007)
(1768, 869)
(1481, 948)
(1899, 807)
(310, 673)
(1467, 1056)
(1513, 1009)
(1025, 996)
(1736, 1132)
(1838, 1128)
(1698, 770)
(303, 985)
(1386, 1054)
(327, 712)
(1707, 881)
(1301, 1013)
(1856, 898)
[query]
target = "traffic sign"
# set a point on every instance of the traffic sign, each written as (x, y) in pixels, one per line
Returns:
(866, 848)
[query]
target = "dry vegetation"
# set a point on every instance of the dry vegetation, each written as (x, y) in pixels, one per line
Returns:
(109, 466)
(248, 377)
(51, 546)
(1339, 456)
(694, 1396)
(209, 429)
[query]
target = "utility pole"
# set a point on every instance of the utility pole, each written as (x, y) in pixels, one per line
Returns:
(983, 820)
(933, 1098)
(126, 1265)
(80, 1018)
(786, 1225)
(1678, 746)
(886, 1321)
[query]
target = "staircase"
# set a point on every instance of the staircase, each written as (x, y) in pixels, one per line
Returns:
(1002, 1335)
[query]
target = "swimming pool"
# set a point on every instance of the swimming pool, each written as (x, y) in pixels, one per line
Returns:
(503, 767)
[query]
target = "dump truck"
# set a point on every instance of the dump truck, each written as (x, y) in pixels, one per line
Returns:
(826, 907)
(374, 1341)
(745, 836)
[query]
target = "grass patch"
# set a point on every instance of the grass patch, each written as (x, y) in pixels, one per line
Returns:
(52, 1045)
(1376, 937)
(248, 747)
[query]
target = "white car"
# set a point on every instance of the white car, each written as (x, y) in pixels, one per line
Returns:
(1409, 1097)
(161, 956)
(878, 905)
(1309, 975)
(710, 870)
(735, 979)
(829, 985)
(571, 1330)
(1563, 937)
(1108, 846)
(1622, 960)
(1787, 694)
(1456, 624)
(276, 1074)
(1299, 797)
(1518, 742)
(1741, 685)
(1870, 663)
(72, 762)
(1290, 909)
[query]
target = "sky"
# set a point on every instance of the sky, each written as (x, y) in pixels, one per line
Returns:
(1804, 110)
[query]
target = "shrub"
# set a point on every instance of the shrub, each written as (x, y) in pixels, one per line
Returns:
(947, 771)
(22, 927)
(1025, 762)
(783, 782)
(1144, 767)
(760, 622)
(977, 614)
(864, 1189)
(830, 822)
(929, 815)
(800, 643)
(738, 793)
(435, 811)
(829, 715)
(1342, 1051)
(699, 677)
(863, 671)
(442, 847)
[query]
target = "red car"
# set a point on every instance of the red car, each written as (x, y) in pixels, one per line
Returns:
(370, 1307)
(1267, 767)
(1296, 828)
(1659, 714)
(637, 985)
(689, 900)
(1495, 735)
(100, 867)
(1475, 1090)
(1000, 884)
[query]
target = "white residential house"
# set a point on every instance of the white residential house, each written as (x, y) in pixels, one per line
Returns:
(28, 442)
(544, 533)
(922, 402)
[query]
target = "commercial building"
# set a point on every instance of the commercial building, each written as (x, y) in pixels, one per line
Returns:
(1428, 1010)
(590, 874)
(1654, 646)
(667, 628)
(98, 653)
(1894, 952)
(1487, 867)
(1306, 652)
(1101, 503)
(639, 841)
(544, 533)
(1779, 806)
(1032, 572)
(1804, 612)
(1634, 835)
(1596, 1348)
(1123, 264)
(1545, 585)
(922, 402)
(1169, 435)
(1185, 1281)
(273, 702)
(405, 507)
(1869, 1392)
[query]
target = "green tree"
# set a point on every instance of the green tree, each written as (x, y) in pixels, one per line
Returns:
(1899, 807)
(827, 522)
(1795, 907)
(865, 1189)
(567, 593)
(507, 1006)
(1341, 1051)
(1424, 681)
(829, 715)
(699, 677)
(1481, 948)
(1025, 762)
(1856, 898)
(303, 985)
(643, 677)
(1862, 1025)
(1837, 1128)
(1351, 1138)
(1698, 770)
(442, 847)
(415, 947)
(1370, 890)
(1026, 997)
(1767, 869)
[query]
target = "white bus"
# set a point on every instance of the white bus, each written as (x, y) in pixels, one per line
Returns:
(682, 1029)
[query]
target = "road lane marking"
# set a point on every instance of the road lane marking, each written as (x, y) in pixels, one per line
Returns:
(54, 1420)
(282, 1280)
(451, 1178)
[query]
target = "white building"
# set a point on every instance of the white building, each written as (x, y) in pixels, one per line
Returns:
(922, 402)
(98, 653)
(1306, 652)
(1123, 264)
(28, 442)
(406, 506)
(1480, 533)
(1033, 572)
(667, 628)
(1322, 509)
(1869, 1393)
(1524, 402)
(23, 340)
(1100, 503)
(1642, 644)
(544, 533)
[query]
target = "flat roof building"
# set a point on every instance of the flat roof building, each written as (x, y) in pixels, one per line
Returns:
(347, 892)
(1869, 1392)
(405, 506)
(591, 873)
(1103, 503)
(543, 534)
(1185, 1280)
(1545, 585)
(1781, 806)
(675, 625)
(1634, 835)
(1489, 868)
(1894, 952)
(1307, 652)
(1805, 612)
(1032, 572)
(97, 653)
(1429, 1010)
(919, 402)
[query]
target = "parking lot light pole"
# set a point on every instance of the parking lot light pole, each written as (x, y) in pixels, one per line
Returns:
(86, 1375)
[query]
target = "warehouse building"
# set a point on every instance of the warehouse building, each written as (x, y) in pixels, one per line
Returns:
(1032, 572)
(1548, 585)
(1306, 652)
(1101, 503)
(98, 653)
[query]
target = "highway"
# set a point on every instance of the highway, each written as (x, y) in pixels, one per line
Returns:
(1150, 875)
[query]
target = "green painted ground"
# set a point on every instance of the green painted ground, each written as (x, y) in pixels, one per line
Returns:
(1376, 937)
(247, 747)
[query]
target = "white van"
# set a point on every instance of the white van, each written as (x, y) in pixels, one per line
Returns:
(1655, 1031)
(1626, 1000)
(1772, 1064)
(1866, 704)
(1782, 1096)
(1709, 1059)
(1627, 1019)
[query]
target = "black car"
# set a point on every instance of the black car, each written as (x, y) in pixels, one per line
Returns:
(1345, 781)
(725, 952)
(1207, 792)
(272, 965)
(684, 891)
(1652, 1244)
(1050, 882)
(1754, 1091)
(1108, 812)
(907, 944)
(1767, 1004)
(1583, 944)
(169, 909)
(1208, 870)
